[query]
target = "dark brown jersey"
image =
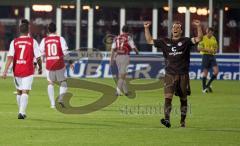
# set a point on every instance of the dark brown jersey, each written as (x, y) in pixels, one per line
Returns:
(176, 54)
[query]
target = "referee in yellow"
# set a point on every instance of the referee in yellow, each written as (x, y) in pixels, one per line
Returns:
(208, 48)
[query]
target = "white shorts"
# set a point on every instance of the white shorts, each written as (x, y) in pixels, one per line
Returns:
(122, 62)
(56, 75)
(23, 83)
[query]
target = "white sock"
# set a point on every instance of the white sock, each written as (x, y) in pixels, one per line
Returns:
(23, 103)
(119, 85)
(51, 94)
(18, 97)
(124, 86)
(118, 90)
(62, 91)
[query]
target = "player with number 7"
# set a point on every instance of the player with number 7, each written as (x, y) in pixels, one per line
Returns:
(21, 53)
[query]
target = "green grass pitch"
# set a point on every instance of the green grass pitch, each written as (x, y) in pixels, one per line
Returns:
(214, 119)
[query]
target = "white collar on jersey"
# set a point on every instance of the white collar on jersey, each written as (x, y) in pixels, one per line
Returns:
(52, 34)
(24, 36)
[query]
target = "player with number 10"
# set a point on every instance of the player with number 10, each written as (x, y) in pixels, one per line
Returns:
(54, 48)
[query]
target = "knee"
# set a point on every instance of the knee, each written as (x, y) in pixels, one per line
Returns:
(19, 92)
(63, 84)
(183, 100)
(216, 72)
(123, 76)
(50, 83)
(168, 96)
(205, 73)
(25, 91)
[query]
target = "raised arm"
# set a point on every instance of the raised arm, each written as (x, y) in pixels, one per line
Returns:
(148, 35)
(197, 23)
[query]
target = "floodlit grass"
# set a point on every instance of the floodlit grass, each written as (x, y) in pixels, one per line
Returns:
(213, 119)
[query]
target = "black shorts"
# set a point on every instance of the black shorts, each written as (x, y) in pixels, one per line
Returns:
(208, 61)
(177, 84)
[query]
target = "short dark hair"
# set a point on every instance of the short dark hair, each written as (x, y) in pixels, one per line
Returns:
(177, 22)
(211, 29)
(52, 27)
(125, 28)
(23, 28)
(24, 21)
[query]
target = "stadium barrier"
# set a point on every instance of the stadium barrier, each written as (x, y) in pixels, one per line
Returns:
(145, 65)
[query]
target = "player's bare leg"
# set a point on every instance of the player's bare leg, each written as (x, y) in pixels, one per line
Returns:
(183, 109)
(122, 62)
(51, 93)
(62, 91)
(18, 97)
(213, 77)
(167, 110)
(124, 85)
(23, 104)
(204, 80)
(120, 84)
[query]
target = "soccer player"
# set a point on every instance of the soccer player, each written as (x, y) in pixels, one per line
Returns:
(176, 51)
(22, 52)
(208, 48)
(54, 48)
(121, 47)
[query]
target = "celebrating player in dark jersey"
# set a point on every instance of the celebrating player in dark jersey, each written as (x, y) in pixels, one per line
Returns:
(176, 51)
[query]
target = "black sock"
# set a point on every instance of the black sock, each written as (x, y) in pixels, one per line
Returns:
(210, 81)
(183, 109)
(167, 108)
(204, 79)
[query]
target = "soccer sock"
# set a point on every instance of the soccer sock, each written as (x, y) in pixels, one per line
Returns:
(204, 79)
(167, 108)
(183, 109)
(23, 103)
(124, 86)
(51, 94)
(18, 97)
(62, 91)
(119, 85)
(210, 81)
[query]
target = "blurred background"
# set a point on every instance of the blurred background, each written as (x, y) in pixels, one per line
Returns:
(93, 23)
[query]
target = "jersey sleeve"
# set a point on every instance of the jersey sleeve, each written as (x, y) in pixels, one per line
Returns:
(158, 43)
(42, 47)
(11, 49)
(131, 42)
(64, 46)
(36, 49)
